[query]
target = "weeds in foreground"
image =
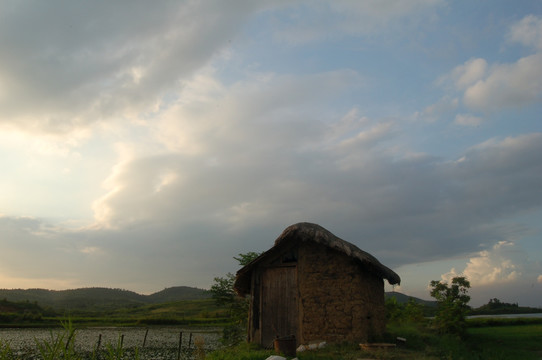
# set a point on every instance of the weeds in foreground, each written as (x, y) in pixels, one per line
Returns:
(61, 346)
(116, 352)
(199, 343)
(5, 351)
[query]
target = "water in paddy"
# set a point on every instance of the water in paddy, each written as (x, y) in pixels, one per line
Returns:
(152, 343)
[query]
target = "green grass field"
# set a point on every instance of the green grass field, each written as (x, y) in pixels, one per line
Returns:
(201, 313)
(506, 342)
(487, 338)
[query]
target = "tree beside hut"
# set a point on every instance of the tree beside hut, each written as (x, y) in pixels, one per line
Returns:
(315, 286)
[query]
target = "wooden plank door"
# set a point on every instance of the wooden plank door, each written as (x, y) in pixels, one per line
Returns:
(279, 303)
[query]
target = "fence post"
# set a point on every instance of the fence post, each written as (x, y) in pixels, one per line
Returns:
(180, 345)
(99, 342)
(145, 338)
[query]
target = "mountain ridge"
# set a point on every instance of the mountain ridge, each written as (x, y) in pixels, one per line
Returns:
(403, 299)
(101, 298)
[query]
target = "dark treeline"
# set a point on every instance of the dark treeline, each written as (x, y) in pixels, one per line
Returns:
(493, 307)
(496, 307)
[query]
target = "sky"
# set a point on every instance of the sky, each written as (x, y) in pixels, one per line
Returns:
(144, 145)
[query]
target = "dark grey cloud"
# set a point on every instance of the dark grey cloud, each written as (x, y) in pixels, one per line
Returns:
(243, 162)
(406, 209)
(66, 65)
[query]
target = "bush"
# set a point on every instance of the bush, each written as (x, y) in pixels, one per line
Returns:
(452, 305)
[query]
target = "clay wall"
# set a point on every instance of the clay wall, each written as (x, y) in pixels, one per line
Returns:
(338, 300)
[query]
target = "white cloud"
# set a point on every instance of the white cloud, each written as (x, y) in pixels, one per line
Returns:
(48, 145)
(528, 32)
(492, 86)
(467, 74)
(508, 85)
(489, 88)
(504, 271)
(503, 263)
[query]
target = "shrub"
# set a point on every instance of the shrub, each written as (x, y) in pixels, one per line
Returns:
(452, 305)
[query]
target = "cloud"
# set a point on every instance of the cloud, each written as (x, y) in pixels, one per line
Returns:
(432, 113)
(201, 156)
(260, 153)
(467, 74)
(490, 87)
(350, 18)
(468, 120)
(508, 85)
(141, 258)
(224, 147)
(507, 167)
(16, 282)
(32, 240)
(494, 272)
(501, 264)
(77, 65)
(272, 159)
(528, 32)
(384, 203)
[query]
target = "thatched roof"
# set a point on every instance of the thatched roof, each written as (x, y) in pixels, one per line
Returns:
(307, 232)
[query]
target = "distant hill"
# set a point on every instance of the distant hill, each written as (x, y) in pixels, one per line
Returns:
(96, 298)
(178, 293)
(403, 299)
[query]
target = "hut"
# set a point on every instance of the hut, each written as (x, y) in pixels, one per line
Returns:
(315, 286)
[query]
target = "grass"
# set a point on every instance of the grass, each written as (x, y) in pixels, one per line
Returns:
(497, 342)
(61, 346)
(240, 352)
(486, 338)
(200, 313)
(507, 342)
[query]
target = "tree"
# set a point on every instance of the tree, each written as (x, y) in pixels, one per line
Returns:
(393, 309)
(224, 295)
(222, 290)
(244, 259)
(452, 305)
(411, 311)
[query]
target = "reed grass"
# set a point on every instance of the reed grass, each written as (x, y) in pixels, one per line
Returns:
(61, 346)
